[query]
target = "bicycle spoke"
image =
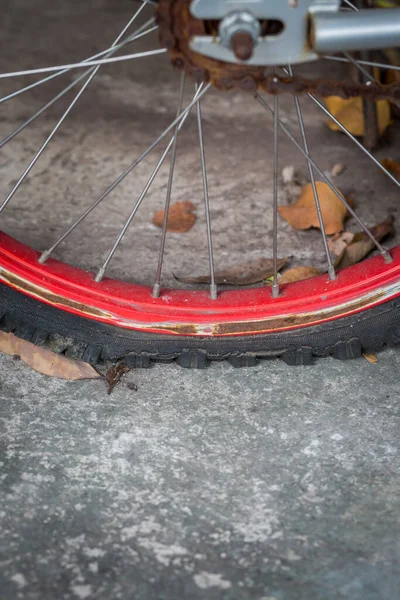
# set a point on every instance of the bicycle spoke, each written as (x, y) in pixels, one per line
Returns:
(363, 71)
(383, 251)
(157, 285)
(46, 143)
(92, 66)
(353, 139)
(94, 63)
(101, 272)
(45, 80)
(45, 255)
(358, 66)
(350, 4)
(55, 99)
(92, 72)
(275, 285)
(43, 110)
(140, 32)
(349, 135)
(127, 26)
(331, 268)
(366, 63)
(87, 62)
(57, 127)
(213, 287)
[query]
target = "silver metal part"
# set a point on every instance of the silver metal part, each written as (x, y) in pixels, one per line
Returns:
(261, 9)
(362, 30)
(275, 284)
(289, 46)
(310, 28)
(241, 21)
(325, 6)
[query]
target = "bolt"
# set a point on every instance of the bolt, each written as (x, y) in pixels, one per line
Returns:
(242, 44)
(239, 31)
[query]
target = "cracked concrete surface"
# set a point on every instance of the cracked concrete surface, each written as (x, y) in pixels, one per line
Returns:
(264, 483)
(269, 483)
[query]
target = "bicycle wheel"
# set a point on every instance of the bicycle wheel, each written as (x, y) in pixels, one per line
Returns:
(103, 289)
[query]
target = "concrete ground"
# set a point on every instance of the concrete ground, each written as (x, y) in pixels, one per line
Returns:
(269, 483)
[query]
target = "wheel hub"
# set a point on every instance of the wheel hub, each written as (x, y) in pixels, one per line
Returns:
(279, 29)
(178, 28)
(211, 43)
(229, 40)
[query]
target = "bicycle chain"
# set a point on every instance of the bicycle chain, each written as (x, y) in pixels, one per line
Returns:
(177, 26)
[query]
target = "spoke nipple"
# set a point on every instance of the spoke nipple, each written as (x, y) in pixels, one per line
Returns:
(100, 275)
(387, 256)
(275, 290)
(213, 292)
(332, 273)
(156, 290)
(43, 257)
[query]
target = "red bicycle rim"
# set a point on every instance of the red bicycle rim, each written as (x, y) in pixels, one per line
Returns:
(194, 313)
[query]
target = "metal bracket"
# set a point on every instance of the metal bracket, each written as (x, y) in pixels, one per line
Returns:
(289, 46)
(261, 9)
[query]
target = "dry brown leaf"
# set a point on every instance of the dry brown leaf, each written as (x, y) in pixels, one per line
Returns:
(392, 54)
(44, 361)
(181, 217)
(298, 274)
(245, 273)
(302, 214)
(371, 358)
(392, 166)
(350, 113)
(338, 244)
(362, 245)
(115, 374)
(393, 75)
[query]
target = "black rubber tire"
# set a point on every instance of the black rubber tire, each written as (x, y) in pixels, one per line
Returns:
(94, 342)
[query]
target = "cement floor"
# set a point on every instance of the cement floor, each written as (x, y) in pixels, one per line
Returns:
(270, 483)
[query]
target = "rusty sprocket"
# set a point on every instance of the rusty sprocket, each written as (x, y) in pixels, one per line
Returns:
(176, 28)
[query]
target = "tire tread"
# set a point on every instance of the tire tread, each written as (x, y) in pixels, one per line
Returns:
(92, 342)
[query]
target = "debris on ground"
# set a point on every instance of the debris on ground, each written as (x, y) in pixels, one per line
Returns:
(338, 169)
(292, 182)
(181, 217)
(299, 274)
(44, 361)
(288, 174)
(245, 273)
(371, 358)
(350, 113)
(115, 374)
(303, 214)
(350, 248)
(392, 166)
(338, 244)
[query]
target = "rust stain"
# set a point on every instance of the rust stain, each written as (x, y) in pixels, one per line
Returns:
(38, 292)
(265, 325)
(290, 321)
(177, 27)
(268, 324)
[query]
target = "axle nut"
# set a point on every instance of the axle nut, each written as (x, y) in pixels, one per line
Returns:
(239, 31)
(242, 45)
